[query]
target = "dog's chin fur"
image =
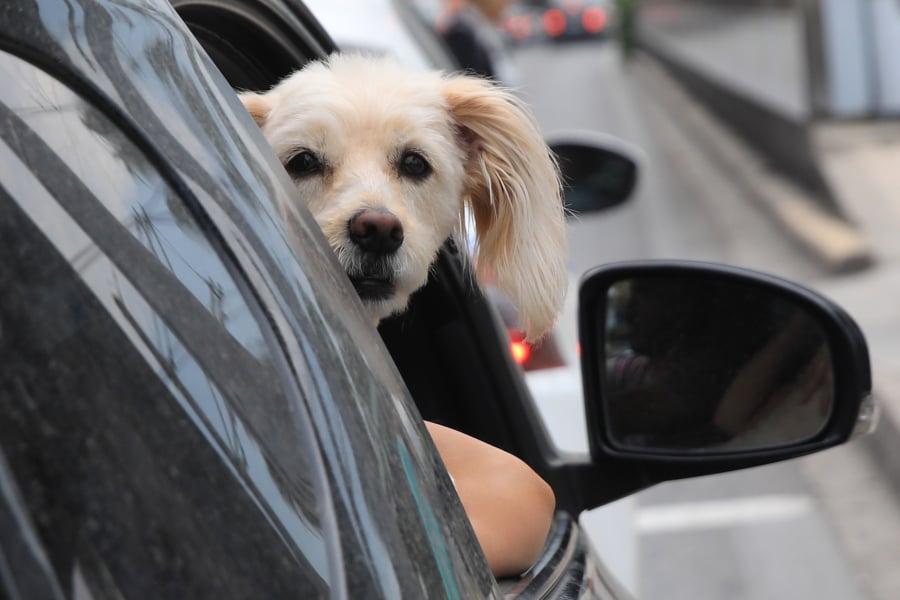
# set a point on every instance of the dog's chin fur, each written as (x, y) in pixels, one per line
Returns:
(359, 116)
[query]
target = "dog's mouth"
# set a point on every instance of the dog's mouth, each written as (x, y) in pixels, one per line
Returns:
(373, 277)
(373, 287)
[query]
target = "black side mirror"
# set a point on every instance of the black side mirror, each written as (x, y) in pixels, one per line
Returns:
(598, 171)
(694, 368)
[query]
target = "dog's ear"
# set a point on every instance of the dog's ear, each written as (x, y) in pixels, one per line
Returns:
(257, 105)
(513, 189)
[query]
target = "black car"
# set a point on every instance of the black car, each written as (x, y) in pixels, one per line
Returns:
(194, 404)
(560, 20)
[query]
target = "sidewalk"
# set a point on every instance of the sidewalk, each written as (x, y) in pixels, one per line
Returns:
(860, 162)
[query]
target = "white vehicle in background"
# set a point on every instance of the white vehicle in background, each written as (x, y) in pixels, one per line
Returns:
(389, 27)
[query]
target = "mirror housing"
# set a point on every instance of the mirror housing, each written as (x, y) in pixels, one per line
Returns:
(755, 369)
(598, 171)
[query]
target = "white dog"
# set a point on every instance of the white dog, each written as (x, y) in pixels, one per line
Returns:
(387, 160)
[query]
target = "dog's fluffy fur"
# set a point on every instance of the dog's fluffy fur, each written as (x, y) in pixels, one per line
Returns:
(346, 128)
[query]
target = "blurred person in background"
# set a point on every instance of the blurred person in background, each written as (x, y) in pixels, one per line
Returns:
(469, 28)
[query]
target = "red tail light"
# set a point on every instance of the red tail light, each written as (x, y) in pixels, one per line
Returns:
(593, 19)
(520, 350)
(554, 22)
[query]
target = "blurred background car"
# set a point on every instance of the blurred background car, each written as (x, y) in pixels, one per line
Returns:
(560, 20)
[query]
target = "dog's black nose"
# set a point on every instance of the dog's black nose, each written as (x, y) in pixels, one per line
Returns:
(376, 231)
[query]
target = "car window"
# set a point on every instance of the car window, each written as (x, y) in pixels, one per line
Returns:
(137, 381)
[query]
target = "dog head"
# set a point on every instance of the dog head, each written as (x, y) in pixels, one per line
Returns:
(388, 160)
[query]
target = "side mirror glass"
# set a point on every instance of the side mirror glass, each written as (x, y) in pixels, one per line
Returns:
(712, 365)
(597, 174)
(694, 360)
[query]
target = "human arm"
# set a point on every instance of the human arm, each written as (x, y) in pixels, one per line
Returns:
(509, 505)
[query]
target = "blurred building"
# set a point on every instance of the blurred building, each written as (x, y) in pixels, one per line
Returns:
(773, 68)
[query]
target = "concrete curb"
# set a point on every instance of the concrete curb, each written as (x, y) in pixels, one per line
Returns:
(884, 443)
(837, 244)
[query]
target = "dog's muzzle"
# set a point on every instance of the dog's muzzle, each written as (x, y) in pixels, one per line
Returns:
(377, 234)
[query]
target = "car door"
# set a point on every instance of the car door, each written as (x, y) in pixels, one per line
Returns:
(194, 403)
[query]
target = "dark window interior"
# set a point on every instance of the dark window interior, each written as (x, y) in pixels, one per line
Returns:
(251, 45)
(451, 354)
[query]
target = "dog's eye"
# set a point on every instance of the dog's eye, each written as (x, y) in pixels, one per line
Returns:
(413, 164)
(303, 164)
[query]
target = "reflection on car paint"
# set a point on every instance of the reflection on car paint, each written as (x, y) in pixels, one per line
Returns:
(432, 527)
(213, 403)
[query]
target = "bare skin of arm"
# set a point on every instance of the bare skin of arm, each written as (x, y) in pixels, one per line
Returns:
(509, 505)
